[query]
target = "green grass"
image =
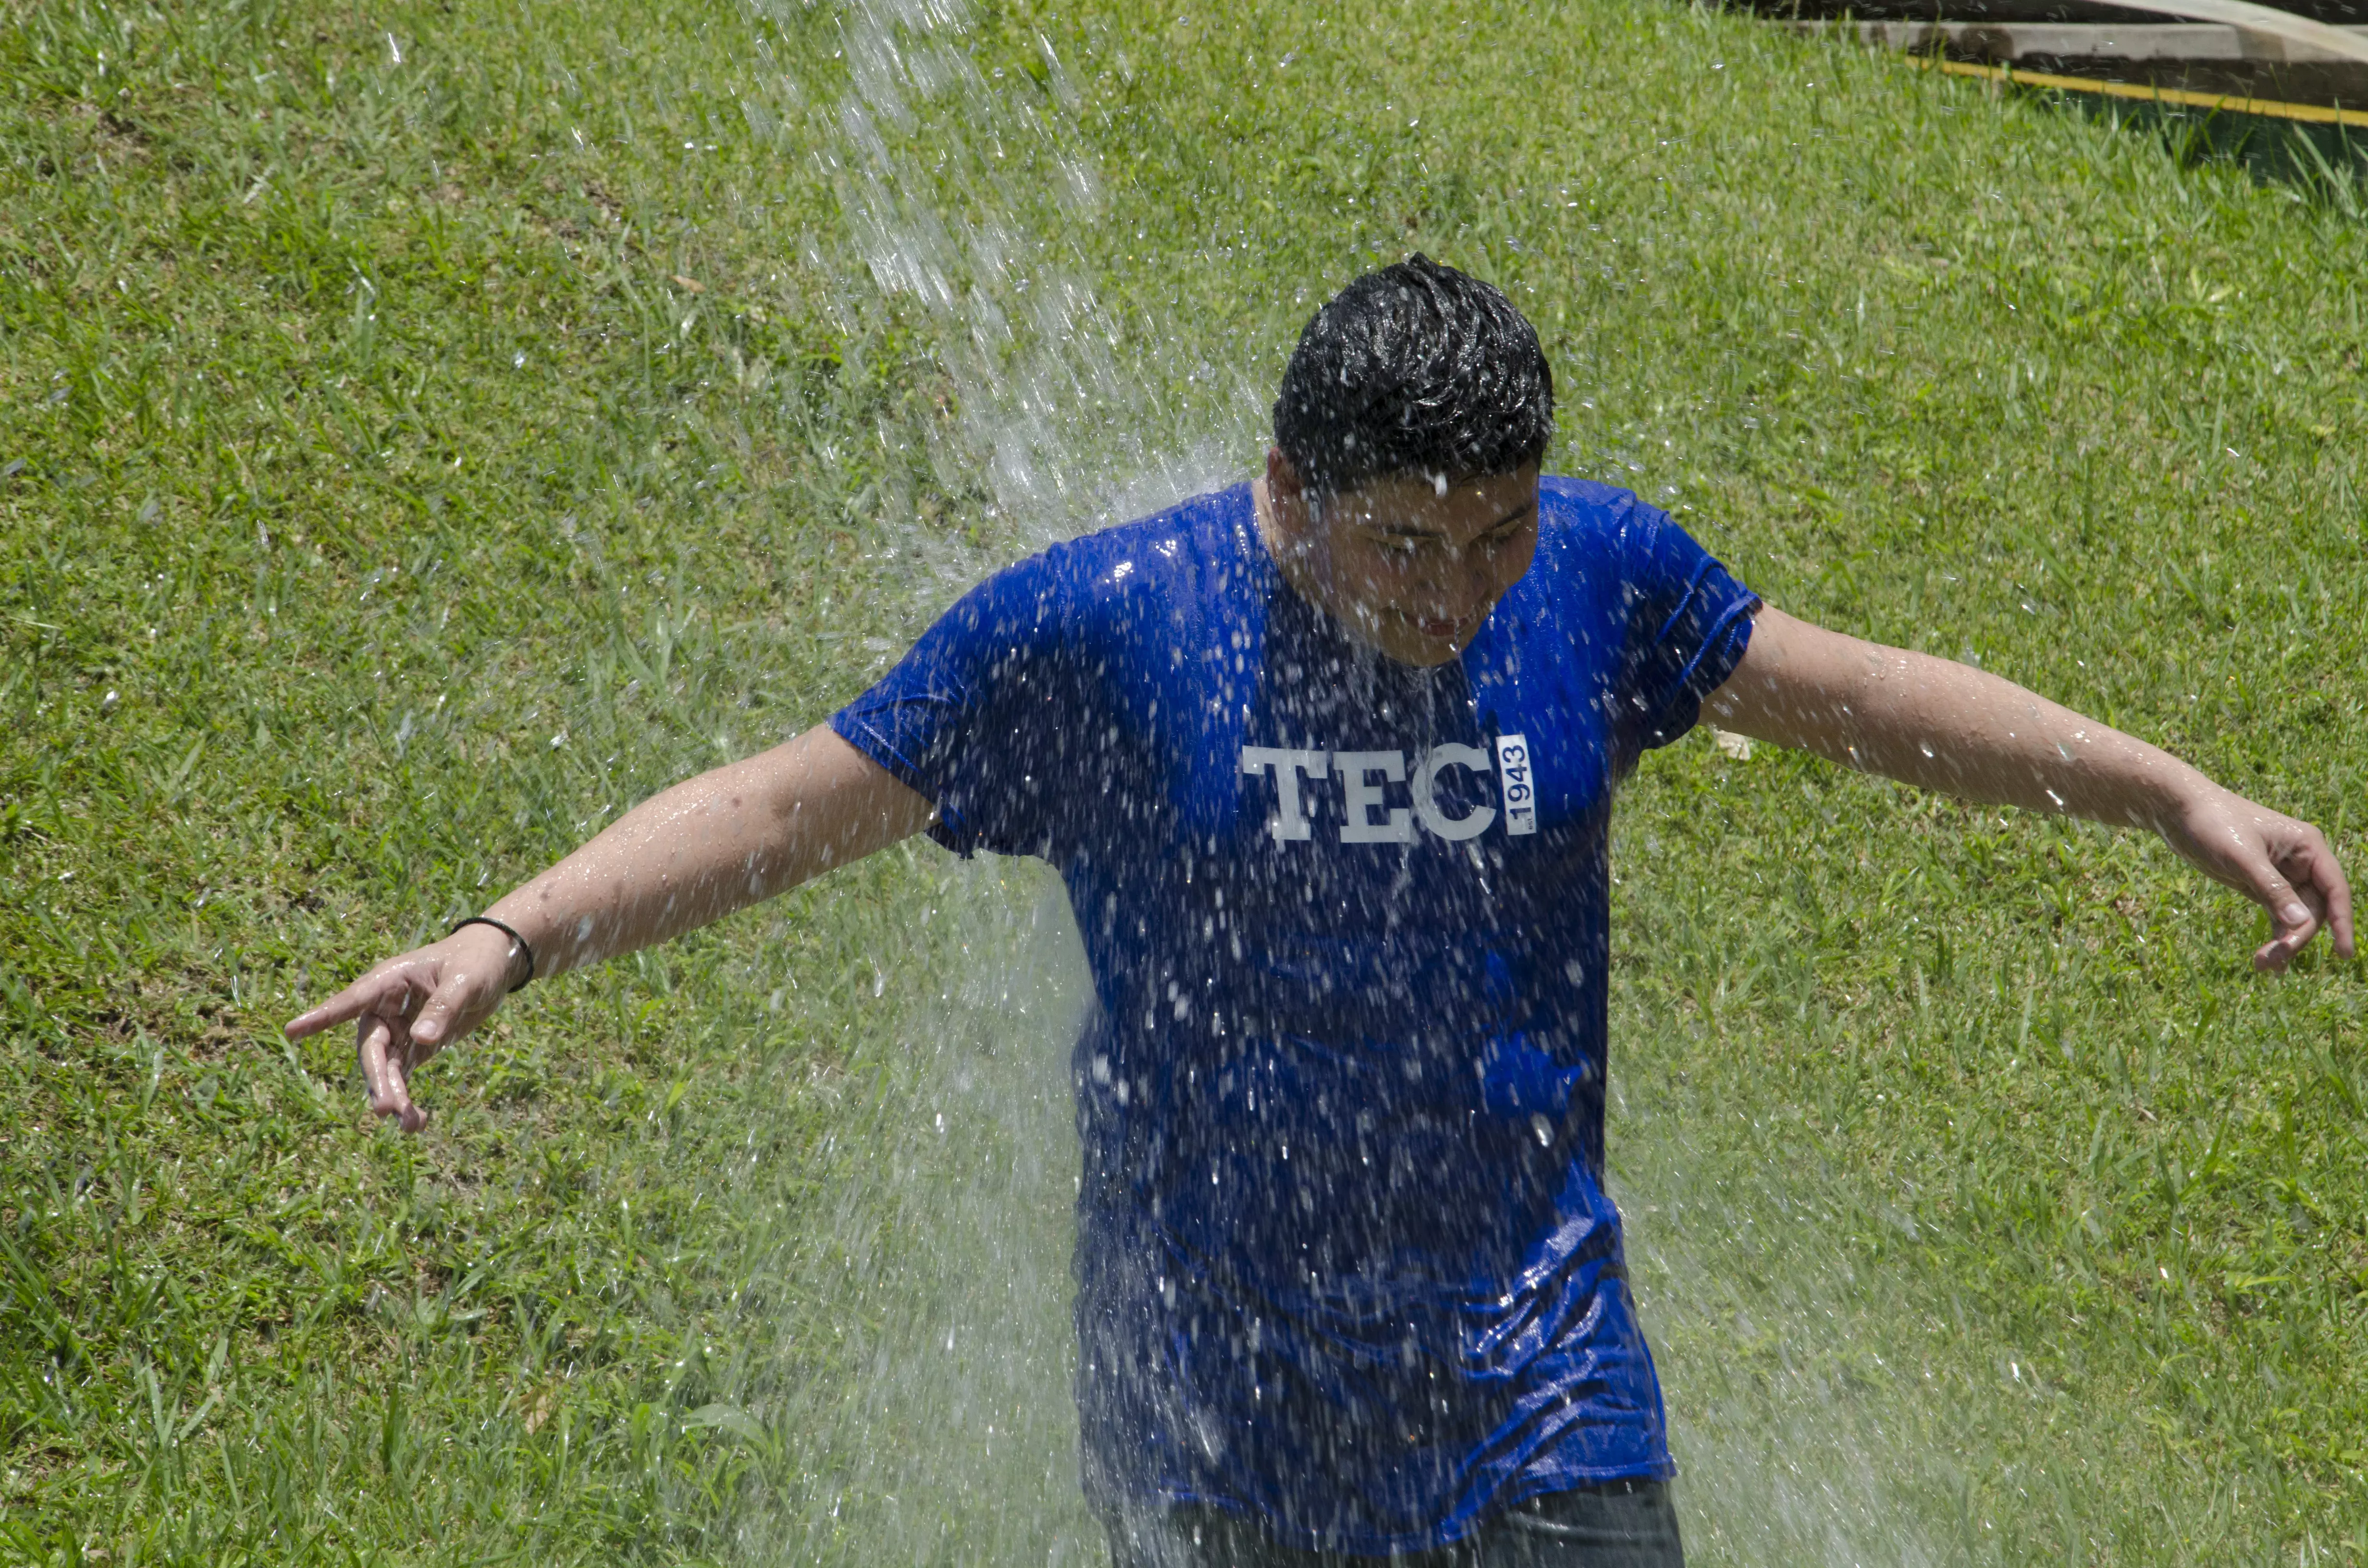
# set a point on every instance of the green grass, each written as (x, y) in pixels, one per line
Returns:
(422, 460)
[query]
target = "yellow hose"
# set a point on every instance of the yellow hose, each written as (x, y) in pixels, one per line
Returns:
(2317, 114)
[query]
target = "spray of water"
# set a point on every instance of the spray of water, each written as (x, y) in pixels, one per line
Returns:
(939, 1263)
(940, 1254)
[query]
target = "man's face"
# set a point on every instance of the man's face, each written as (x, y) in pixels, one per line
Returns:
(1411, 564)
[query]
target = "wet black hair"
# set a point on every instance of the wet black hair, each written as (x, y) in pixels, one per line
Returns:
(1413, 370)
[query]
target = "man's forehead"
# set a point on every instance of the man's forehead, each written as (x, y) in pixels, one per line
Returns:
(1436, 504)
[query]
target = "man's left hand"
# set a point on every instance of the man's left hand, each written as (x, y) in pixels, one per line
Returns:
(1946, 726)
(2280, 864)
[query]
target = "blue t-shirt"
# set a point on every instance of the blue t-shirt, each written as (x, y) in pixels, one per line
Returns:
(1345, 1262)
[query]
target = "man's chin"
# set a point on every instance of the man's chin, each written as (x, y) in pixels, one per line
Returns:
(1412, 647)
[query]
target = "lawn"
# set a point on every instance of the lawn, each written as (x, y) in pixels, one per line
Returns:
(428, 428)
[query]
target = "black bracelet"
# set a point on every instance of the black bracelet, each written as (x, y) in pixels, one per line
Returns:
(506, 931)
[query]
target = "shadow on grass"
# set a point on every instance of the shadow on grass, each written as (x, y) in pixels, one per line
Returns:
(2326, 164)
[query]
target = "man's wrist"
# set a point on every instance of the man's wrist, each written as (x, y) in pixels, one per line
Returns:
(517, 961)
(2167, 792)
(549, 940)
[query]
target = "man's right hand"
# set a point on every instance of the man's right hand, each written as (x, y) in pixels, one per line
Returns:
(694, 853)
(408, 1008)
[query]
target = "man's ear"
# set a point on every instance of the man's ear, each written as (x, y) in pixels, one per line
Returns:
(1285, 491)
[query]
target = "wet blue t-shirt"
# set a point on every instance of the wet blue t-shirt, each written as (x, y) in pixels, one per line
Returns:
(1345, 1262)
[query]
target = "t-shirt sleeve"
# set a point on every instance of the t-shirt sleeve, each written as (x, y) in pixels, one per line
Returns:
(1688, 622)
(969, 716)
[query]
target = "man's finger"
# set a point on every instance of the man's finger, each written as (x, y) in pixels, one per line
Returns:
(382, 1074)
(363, 995)
(413, 1115)
(2278, 951)
(386, 1070)
(2287, 907)
(2325, 874)
(2293, 922)
(435, 1025)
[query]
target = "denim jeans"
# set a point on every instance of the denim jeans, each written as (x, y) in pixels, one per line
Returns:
(1625, 1524)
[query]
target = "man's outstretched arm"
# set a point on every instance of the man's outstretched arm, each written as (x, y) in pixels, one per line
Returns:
(684, 857)
(1946, 726)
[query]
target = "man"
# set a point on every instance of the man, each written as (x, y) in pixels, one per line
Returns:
(1326, 763)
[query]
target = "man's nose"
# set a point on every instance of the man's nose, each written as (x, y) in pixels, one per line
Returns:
(1469, 582)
